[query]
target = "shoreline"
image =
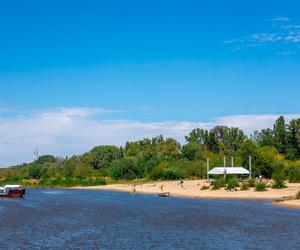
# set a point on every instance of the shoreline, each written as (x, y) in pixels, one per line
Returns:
(192, 189)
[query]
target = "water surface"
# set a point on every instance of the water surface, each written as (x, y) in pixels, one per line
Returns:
(79, 219)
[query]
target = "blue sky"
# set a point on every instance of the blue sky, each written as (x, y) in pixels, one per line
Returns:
(141, 64)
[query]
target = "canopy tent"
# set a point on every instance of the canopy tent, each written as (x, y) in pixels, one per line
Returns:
(228, 170)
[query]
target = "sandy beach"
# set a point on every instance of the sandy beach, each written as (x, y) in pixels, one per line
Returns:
(288, 203)
(193, 189)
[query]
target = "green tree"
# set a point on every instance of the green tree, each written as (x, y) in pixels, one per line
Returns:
(192, 151)
(126, 168)
(168, 149)
(103, 156)
(35, 171)
(197, 136)
(248, 148)
(280, 135)
(265, 161)
(264, 138)
(293, 139)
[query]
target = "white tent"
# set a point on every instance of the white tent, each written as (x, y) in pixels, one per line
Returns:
(228, 170)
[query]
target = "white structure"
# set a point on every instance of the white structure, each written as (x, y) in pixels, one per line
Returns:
(228, 170)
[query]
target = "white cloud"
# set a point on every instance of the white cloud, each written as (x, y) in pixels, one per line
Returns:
(74, 131)
(281, 19)
(287, 35)
(265, 37)
(69, 113)
(250, 123)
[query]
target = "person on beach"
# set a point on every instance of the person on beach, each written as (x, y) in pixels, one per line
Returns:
(181, 184)
(133, 190)
(162, 187)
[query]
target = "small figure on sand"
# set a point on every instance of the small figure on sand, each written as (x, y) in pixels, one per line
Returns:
(162, 187)
(181, 184)
(133, 190)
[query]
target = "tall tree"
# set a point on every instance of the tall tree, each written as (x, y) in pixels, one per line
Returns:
(293, 139)
(264, 137)
(280, 135)
(103, 156)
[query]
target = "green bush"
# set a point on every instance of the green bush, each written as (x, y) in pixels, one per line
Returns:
(218, 183)
(294, 174)
(252, 182)
(69, 182)
(172, 173)
(157, 172)
(278, 178)
(298, 195)
(245, 186)
(261, 186)
(126, 168)
(232, 183)
(205, 187)
(278, 185)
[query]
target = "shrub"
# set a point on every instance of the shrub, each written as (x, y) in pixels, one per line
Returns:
(157, 172)
(298, 195)
(279, 178)
(278, 185)
(245, 186)
(126, 168)
(232, 183)
(261, 186)
(252, 182)
(218, 183)
(205, 187)
(172, 173)
(294, 174)
(92, 181)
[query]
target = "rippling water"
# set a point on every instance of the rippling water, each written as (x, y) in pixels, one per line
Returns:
(77, 219)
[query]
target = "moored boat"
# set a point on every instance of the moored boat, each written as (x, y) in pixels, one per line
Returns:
(12, 191)
(166, 194)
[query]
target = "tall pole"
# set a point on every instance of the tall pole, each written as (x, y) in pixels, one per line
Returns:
(232, 164)
(224, 167)
(250, 166)
(207, 165)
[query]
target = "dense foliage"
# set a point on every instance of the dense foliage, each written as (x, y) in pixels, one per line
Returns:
(275, 153)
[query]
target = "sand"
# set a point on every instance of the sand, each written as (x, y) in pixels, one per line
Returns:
(193, 189)
(288, 203)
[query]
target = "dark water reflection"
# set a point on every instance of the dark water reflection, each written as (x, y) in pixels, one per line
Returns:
(75, 219)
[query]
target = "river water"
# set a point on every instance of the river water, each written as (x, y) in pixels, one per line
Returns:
(79, 219)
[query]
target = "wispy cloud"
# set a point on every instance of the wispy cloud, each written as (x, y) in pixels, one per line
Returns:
(287, 35)
(281, 19)
(75, 130)
(69, 113)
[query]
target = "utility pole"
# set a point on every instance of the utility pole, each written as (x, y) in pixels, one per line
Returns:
(232, 163)
(225, 167)
(207, 166)
(250, 166)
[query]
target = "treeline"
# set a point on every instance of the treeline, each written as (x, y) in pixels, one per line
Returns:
(274, 152)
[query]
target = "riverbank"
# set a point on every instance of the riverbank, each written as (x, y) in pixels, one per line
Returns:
(288, 203)
(192, 189)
